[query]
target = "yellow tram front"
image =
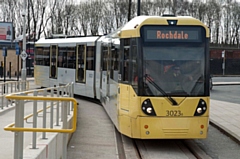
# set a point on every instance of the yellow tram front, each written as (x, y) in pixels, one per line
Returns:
(164, 81)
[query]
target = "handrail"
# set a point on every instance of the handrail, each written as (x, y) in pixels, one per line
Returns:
(22, 98)
(74, 121)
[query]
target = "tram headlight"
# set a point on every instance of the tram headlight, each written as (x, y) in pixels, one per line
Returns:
(201, 108)
(147, 107)
(149, 110)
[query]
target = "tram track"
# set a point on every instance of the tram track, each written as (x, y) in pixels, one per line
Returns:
(171, 149)
(158, 149)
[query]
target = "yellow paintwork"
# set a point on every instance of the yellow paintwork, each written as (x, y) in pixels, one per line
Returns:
(169, 127)
(132, 28)
(132, 119)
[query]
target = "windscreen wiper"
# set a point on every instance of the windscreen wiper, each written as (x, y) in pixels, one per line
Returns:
(149, 79)
(195, 85)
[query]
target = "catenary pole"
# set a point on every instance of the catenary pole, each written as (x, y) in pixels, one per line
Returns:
(139, 11)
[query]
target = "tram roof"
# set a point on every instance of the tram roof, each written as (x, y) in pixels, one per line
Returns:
(132, 28)
(89, 41)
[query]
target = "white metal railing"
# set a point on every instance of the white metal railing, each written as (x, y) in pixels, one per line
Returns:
(61, 103)
(10, 87)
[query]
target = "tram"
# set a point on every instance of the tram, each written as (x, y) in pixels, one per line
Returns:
(132, 72)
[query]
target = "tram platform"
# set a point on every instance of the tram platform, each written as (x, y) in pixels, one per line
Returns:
(226, 116)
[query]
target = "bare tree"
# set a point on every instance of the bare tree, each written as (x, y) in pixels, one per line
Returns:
(210, 14)
(95, 16)
(236, 22)
(159, 7)
(227, 19)
(146, 7)
(69, 14)
(120, 8)
(84, 16)
(107, 22)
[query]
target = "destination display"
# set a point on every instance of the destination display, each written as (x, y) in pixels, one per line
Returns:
(172, 34)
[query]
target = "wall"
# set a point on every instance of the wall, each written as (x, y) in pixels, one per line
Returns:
(11, 57)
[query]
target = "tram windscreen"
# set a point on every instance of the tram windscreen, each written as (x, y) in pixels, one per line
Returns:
(176, 70)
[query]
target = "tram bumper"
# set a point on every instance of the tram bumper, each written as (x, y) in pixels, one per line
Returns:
(170, 128)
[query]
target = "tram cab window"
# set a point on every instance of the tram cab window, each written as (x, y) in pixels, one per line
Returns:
(134, 74)
(126, 60)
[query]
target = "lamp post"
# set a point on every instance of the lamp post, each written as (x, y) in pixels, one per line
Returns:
(223, 64)
(24, 54)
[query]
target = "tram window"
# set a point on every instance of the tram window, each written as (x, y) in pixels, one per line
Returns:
(126, 64)
(71, 57)
(109, 61)
(39, 56)
(46, 56)
(67, 57)
(134, 77)
(53, 56)
(42, 56)
(90, 58)
(114, 64)
(81, 64)
(53, 62)
(126, 42)
(60, 57)
(105, 58)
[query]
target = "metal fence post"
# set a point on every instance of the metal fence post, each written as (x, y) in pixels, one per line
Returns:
(6, 88)
(57, 113)
(72, 94)
(65, 126)
(34, 137)
(18, 136)
(2, 97)
(51, 112)
(44, 114)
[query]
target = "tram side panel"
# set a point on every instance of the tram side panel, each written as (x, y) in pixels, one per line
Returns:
(41, 75)
(66, 75)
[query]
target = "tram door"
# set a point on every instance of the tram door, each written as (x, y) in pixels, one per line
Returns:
(53, 61)
(81, 64)
(104, 74)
